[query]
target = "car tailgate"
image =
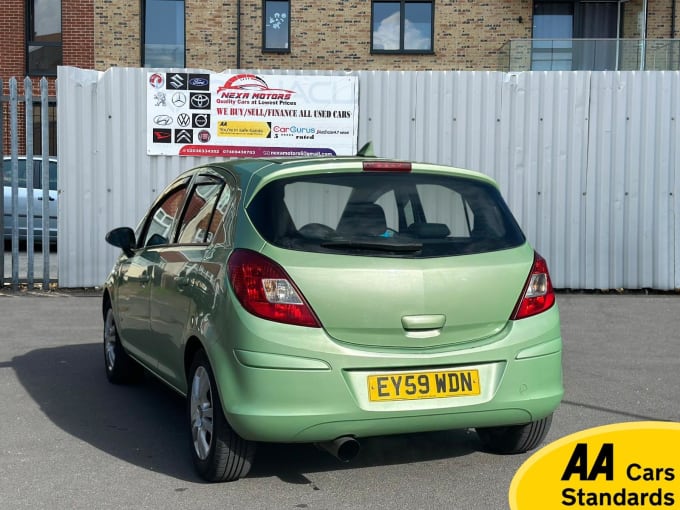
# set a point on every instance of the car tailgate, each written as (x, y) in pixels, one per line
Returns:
(412, 303)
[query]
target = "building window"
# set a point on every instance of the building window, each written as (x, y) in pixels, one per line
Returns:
(163, 33)
(405, 26)
(43, 38)
(276, 26)
(52, 126)
(571, 35)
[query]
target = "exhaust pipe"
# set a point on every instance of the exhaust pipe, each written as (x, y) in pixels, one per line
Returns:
(343, 448)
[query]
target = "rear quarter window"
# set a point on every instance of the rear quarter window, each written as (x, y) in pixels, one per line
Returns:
(389, 214)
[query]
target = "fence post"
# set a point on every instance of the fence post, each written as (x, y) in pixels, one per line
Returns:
(30, 206)
(45, 144)
(14, 151)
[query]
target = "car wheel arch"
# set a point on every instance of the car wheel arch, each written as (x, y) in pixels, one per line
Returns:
(106, 303)
(192, 346)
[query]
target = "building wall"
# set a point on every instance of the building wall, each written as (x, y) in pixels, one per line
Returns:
(324, 35)
(12, 57)
(469, 34)
(117, 32)
(659, 18)
(77, 32)
(77, 17)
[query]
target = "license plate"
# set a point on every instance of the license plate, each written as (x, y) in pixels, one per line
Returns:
(420, 385)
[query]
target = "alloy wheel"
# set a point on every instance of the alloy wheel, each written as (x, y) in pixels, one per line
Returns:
(201, 406)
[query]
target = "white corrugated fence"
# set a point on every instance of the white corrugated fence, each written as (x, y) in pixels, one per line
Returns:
(586, 160)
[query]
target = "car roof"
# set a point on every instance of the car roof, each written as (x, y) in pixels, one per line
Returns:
(254, 173)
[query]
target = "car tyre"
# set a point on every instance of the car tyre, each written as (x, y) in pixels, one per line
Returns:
(515, 438)
(120, 367)
(219, 453)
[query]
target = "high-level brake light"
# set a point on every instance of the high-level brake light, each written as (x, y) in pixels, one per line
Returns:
(387, 166)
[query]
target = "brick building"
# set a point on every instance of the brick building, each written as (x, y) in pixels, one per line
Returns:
(38, 35)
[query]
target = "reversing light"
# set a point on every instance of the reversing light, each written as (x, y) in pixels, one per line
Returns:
(538, 294)
(387, 166)
(264, 289)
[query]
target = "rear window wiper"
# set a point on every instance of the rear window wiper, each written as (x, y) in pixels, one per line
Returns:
(373, 244)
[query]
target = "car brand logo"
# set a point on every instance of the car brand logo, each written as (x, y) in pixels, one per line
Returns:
(162, 136)
(199, 81)
(204, 136)
(201, 120)
(184, 135)
(162, 120)
(183, 120)
(177, 81)
(179, 99)
(156, 80)
(200, 101)
(159, 98)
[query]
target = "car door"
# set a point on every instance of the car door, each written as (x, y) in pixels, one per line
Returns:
(40, 201)
(182, 280)
(139, 273)
(14, 217)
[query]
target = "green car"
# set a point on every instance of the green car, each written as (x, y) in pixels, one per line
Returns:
(324, 300)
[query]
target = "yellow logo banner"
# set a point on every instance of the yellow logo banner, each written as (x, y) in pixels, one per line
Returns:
(626, 465)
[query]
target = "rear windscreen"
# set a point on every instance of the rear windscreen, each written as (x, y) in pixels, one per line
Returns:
(384, 214)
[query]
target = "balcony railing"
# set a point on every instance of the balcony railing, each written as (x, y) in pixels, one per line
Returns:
(590, 55)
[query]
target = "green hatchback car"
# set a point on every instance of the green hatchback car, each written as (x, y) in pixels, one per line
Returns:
(324, 300)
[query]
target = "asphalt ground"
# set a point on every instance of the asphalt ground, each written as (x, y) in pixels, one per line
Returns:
(23, 264)
(69, 439)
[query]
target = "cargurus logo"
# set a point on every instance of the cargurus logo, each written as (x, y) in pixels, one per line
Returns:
(303, 130)
(295, 130)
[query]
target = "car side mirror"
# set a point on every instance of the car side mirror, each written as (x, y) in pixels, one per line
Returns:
(124, 238)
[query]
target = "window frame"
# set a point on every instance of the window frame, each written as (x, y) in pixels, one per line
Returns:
(402, 22)
(143, 231)
(272, 49)
(143, 36)
(182, 221)
(30, 42)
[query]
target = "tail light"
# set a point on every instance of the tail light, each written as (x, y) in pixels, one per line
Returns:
(264, 289)
(538, 294)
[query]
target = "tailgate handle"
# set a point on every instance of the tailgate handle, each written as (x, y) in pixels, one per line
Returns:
(423, 322)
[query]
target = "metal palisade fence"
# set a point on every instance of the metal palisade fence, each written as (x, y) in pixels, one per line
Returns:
(26, 200)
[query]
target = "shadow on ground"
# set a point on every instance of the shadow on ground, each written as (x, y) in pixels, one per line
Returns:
(144, 424)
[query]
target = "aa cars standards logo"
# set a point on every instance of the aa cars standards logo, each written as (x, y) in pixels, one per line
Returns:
(626, 465)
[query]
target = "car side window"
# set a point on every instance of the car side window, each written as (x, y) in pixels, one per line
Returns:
(446, 206)
(195, 227)
(224, 219)
(158, 229)
(53, 175)
(7, 172)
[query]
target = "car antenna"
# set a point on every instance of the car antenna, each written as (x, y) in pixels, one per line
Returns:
(367, 151)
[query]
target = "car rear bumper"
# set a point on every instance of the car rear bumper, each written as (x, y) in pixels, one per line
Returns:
(283, 383)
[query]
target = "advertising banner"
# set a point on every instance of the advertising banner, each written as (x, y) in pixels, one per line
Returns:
(245, 115)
